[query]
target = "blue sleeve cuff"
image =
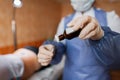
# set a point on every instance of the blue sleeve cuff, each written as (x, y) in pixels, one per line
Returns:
(104, 48)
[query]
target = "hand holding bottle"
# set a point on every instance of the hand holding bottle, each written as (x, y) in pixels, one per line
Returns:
(90, 27)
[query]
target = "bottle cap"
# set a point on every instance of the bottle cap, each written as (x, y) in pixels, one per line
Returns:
(69, 30)
(57, 38)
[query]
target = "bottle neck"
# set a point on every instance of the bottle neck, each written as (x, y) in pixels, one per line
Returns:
(70, 35)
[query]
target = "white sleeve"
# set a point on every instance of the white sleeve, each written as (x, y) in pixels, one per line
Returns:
(11, 66)
(113, 21)
(60, 29)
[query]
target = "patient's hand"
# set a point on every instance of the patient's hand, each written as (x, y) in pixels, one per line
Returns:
(45, 54)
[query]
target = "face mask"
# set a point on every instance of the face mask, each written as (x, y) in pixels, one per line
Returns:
(81, 5)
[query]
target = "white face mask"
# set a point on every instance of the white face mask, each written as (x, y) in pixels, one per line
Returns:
(81, 5)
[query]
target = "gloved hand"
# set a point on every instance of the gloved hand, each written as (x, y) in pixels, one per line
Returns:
(45, 54)
(90, 27)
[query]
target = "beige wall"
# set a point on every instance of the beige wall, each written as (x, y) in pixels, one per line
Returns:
(36, 20)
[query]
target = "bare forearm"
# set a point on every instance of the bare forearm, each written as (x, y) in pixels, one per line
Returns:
(30, 61)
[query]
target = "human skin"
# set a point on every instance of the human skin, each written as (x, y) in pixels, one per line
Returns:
(30, 61)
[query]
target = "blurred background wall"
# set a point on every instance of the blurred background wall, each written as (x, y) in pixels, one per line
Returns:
(36, 21)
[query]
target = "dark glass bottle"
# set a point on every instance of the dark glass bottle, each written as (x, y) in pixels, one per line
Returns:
(70, 35)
